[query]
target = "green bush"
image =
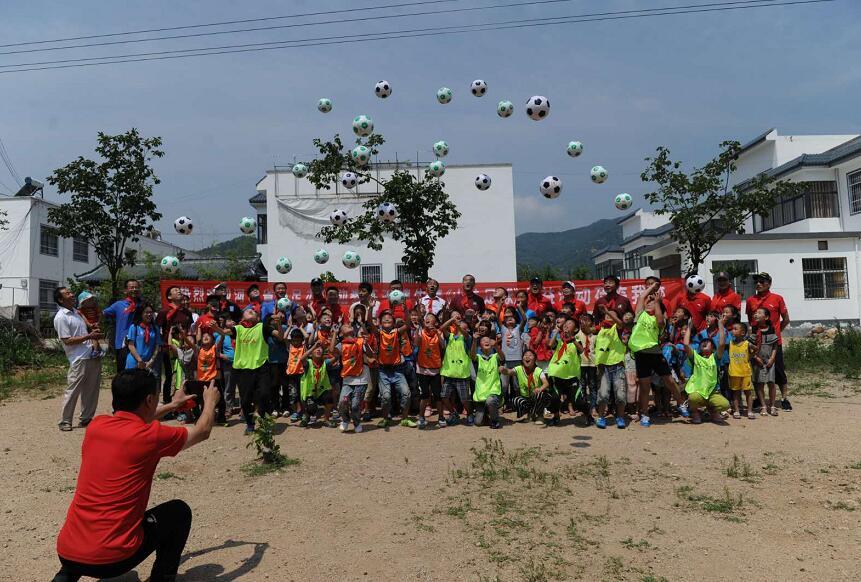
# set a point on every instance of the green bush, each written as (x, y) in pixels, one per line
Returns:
(842, 356)
(17, 350)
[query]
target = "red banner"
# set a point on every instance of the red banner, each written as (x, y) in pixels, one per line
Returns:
(587, 291)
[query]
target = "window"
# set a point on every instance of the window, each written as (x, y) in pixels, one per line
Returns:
(825, 278)
(49, 242)
(853, 181)
(634, 261)
(261, 229)
(819, 201)
(403, 274)
(611, 267)
(822, 245)
(80, 250)
(742, 285)
(372, 273)
(46, 295)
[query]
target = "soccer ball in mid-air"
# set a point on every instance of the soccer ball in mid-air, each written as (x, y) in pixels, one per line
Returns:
(537, 107)
(599, 174)
(324, 105)
(478, 88)
(349, 180)
(440, 149)
(284, 265)
(283, 304)
(300, 170)
(363, 125)
(695, 283)
(339, 217)
(444, 95)
(247, 225)
(551, 187)
(382, 89)
(482, 181)
(351, 259)
(436, 168)
(575, 148)
(183, 225)
(505, 109)
(396, 297)
(387, 212)
(361, 155)
(170, 264)
(321, 257)
(623, 201)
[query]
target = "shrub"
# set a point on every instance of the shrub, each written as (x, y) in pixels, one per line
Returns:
(843, 356)
(16, 349)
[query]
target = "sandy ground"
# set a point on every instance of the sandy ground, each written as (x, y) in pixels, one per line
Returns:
(583, 503)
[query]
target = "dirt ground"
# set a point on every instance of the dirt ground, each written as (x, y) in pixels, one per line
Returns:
(528, 503)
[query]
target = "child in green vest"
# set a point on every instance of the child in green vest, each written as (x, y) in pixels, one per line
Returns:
(701, 386)
(610, 358)
(456, 370)
(564, 370)
(488, 381)
(315, 389)
(250, 356)
(533, 390)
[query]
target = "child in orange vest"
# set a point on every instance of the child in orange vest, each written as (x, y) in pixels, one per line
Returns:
(355, 375)
(430, 343)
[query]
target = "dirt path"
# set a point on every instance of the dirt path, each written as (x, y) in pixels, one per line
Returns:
(541, 504)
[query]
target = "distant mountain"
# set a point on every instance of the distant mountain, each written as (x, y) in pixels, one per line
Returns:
(241, 246)
(567, 249)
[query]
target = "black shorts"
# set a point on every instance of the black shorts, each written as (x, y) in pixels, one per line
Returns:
(779, 367)
(430, 387)
(651, 363)
(322, 399)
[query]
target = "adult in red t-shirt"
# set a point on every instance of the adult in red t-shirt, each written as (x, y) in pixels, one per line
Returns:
(318, 298)
(724, 294)
(779, 317)
(172, 313)
(401, 310)
(569, 290)
(468, 298)
(611, 302)
(697, 305)
(535, 299)
(108, 530)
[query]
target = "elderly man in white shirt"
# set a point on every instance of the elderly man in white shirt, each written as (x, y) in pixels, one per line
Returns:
(85, 364)
(431, 302)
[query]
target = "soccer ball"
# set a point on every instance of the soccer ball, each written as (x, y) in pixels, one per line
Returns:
(283, 304)
(247, 225)
(551, 187)
(440, 149)
(482, 181)
(478, 88)
(396, 297)
(695, 283)
(383, 89)
(444, 95)
(183, 225)
(170, 264)
(349, 180)
(537, 107)
(387, 212)
(351, 259)
(300, 170)
(324, 105)
(575, 148)
(284, 265)
(363, 126)
(436, 169)
(339, 217)
(361, 155)
(599, 175)
(623, 201)
(321, 257)
(505, 109)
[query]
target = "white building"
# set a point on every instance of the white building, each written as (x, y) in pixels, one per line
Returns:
(811, 244)
(34, 260)
(291, 211)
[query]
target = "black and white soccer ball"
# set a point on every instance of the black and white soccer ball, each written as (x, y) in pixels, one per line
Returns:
(382, 89)
(599, 174)
(349, 180)
(537, 107)
(183, 225)
(339, 217)
(694, 283)
(550, 187)
(478, 88)
(387, 212)
(482, 181)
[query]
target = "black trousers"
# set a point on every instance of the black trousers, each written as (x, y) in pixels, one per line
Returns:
(167, 370)
(255, 389)
(166, 528)
(121, 355)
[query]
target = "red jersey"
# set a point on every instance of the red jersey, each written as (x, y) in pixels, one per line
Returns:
(698, 305)
(538, 344)
(538, 303)
(205, 322)
(317, 304)
(618, 303)
(721, 300)
(580, 307)
(103, 524)
(401, 311)
(462, 302)
(776, 308)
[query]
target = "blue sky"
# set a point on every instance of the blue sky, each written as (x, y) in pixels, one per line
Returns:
(621, 87)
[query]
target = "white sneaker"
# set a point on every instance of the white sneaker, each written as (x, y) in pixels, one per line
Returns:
(276, 414)
(344, 426)
(358, 428)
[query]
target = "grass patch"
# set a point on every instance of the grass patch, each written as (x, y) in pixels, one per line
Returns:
(739, 468)
(45, 378)
(726, 506)
(256, 468)
(653, 578)
(613, 568)
(165, 475)
(534, 571)
(641, 545)
(840, 506)
(418, 520)
(270, 459)
(842, 356)
(855, 466)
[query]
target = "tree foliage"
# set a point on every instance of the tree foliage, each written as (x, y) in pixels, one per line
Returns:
(111, 199)
(551, 273)
(4, 224)
(425, 211)
(701, 205)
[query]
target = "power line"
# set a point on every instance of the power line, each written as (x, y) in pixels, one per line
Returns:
(4, 154)
(388, 35)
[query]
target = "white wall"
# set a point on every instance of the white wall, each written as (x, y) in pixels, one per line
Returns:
(483, 243)
(642, 220)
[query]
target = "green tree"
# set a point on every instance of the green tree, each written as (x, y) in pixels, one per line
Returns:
(111, 199)
(425, 211)
(4, 224)
(701, 205)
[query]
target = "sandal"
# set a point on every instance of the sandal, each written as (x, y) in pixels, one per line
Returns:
(751, 415)
(736, 415)
(773, 411)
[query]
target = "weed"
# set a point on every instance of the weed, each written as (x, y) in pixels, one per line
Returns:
(842, 356)
(613, 567)
(770, 468)
(854, 465)
(652, 578)
(421, 525)
(534, 571)
(460, 511)
(165, 475)
(840, 505)
(741, 469)
(727, 504)
(256, 469)
(655, 530)
(642, 545)
(577, 539)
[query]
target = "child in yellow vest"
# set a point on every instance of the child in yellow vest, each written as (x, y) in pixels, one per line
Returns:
(702, 385)
(533, 390)
(489, 365)
(610, 353)
(564, 371)
(741, 351)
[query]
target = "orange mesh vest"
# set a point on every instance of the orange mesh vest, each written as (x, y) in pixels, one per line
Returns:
(295, 364)
(206, 369)
(429, 354)
(352, 360)
(390, 353)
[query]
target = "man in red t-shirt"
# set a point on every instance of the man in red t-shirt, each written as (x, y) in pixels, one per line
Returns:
(569, 290)
(779, 317)
(468, 298)
(724, 294)
(535, 299)
(400, 311)
(612, 303)
(318, 298)
(108, 530)
(697, 305)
